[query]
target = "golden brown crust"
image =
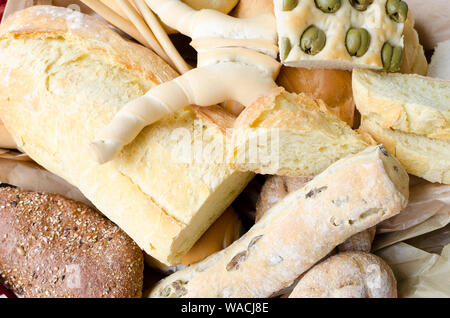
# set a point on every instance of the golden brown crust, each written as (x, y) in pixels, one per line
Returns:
(250, 8)
(55, 247)
(348, 275)
(334, 87)
(359, 242)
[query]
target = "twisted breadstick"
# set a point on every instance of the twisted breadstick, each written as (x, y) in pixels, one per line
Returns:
(203, 86)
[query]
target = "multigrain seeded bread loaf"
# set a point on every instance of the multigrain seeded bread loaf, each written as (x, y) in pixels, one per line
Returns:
(407, 103)
(73, 73)
(424, 157)
(351, 196)
(51, 246)
(348, 275)
(277, 187)
(290, 134)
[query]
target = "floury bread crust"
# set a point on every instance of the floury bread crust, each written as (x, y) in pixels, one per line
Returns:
(73, 73)
(348, 275)
(290, 134)
(352, 195)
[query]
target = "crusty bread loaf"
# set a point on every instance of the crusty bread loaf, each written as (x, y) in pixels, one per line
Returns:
(348, 275)
(227, 229)
(277, 187)
(78, 74)
(352, 195)
(439, 66)
(290, 134)
(421, 156)
(408, 103)
(55, 247)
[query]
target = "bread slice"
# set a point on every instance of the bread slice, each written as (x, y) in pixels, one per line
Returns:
(69, 74)
(440, 66)
(290, 134)
(407, 103)
(352, 195)
(421, 156)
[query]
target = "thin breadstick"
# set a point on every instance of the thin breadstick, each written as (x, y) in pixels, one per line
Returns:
(117, 20)
(143, 28)
(161, 35)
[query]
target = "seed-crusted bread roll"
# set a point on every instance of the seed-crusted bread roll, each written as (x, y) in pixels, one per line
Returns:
(407, 103)
(348, 275)
(424, 157)
(51, 246)
(314, 35)
(290, 134)
(78, 74)
(352, 195)
(277, 187)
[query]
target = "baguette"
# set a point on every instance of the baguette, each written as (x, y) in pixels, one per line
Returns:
(408, 103)
(299, 231)
(78, 74)
(277, 187)
(421, 156)
(290, 134)
(55, 247)
(348, 275)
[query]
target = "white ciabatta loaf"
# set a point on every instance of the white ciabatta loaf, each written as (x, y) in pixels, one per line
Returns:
(421, 156)
(440, 66)
(290, 134)
(352, 195)
(69, 74)
(348, 275)
(407, 103)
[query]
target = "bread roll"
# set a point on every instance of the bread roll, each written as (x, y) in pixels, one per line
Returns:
(55, 247)
(334, 87)
(359, 242)
(348, 275)
(78, 74)
(407, 103)
(440, 67)
(289, 134)
(352, 195)
(413, 60)
(224, 6)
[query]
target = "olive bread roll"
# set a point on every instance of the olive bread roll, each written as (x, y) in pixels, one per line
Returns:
(352, 195)
(341, 34)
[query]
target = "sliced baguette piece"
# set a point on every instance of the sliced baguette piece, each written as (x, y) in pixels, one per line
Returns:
(421, 156)
(440, 66)
(408, 103)
(69, 74)
(351, 196)
(348, 275)
(292, 135)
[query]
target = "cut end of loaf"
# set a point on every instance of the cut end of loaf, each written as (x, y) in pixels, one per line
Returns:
(290, 134)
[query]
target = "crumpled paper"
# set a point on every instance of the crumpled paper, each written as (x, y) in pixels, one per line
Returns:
(419, 274)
